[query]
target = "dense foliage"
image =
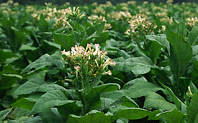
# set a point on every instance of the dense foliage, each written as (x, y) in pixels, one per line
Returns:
(99, 63)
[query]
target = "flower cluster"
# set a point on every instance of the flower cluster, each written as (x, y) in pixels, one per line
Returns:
(120, 15)
(96, 19)
(139, 27)
(87, 62)
(62, 16)
(191, 21)
(6, 8)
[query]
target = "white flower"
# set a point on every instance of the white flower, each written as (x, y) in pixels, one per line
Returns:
(97, 49)
(65, 53)
(108, 72)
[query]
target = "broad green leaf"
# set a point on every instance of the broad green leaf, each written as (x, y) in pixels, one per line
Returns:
(130, 113)
(27, 47)
(115, 98)
(50, 47)
(193, 88)
(33, 83)
(123, 54)
(138, 65)
(71, 107)
(5, 54)
(160, 38)
(179, 104)
(16, 40)
(91, 117)
(156, 101)
(155, 49)
(195, 50)
(141, 88)
(113, 95)
(140, 69)
(182, 28)
(78, 27)
(7, 23)
(66, 41)
(105, 103)
(43, 61)
(192, 110)
(93, 97)
(36, 119)
(99, 28)
(23, 103)
(153, 115)
(8, 69)
(125, 101)
(4, 113)
(180, 54)
(132, 82)
(20, 112)
(21, 119)
(193, 35)
(43, 25)
(22, 20)
(102, 37)
(174, 116)
(51, 116)
(49, 87)
(8, 80)
(49, 100)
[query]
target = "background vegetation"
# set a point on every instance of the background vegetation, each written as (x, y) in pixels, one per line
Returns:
(83, 2)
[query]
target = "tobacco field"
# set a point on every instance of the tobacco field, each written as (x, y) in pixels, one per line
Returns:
(99, 63)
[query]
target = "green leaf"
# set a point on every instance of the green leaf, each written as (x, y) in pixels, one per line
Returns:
(49, 100)
(33, 83)
(160, 38)
(16, 40)
(138, 65)
(125, 101)
(179, 104)
(102, 37)
(50, 47)
(43, 25)
(140, 69)
(8, 80)
(71, 107)
(193, 88)
(100, 27)
(156, 101)
(4, 113)
(23, 103)
(5, 54)
(180, 54)
(49, 87)
(51, 116)
(130, 113)
(43, 61)
(123, 54)
(113, 95)
(36, 119)
(155, 49)
(7, 24)
(93, 97)
(20, 112)
(192, 110)
(132, 82)
(66, 41)
(91, 117)
(193, 35)
(141, 88)
(174, 116)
